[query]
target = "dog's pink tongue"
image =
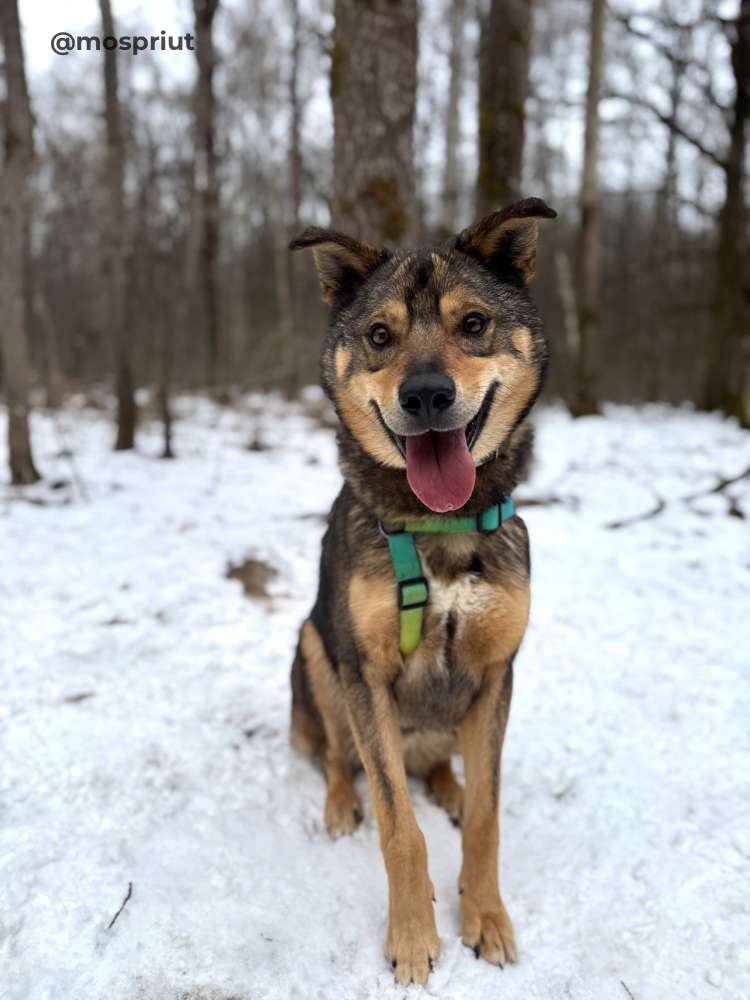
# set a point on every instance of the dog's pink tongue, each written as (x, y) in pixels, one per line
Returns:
(440, 469)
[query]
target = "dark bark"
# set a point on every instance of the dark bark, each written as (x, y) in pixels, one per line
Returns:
(503, 88)
(373, 89)
(452, 118)
(295, 118)
(288, 282)
(586, 393)
(206, 189)
(727, 383)
(15, 208)
(114, 244)
(53, 381)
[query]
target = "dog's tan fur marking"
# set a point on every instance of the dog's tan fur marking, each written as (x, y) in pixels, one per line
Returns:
(455, 304)
(364, 424)
(484, 921)
(485, 238)
(342, 252)
(518, 382)
(412, 940)
(523, 343)
(342, 359)
(494, 632)
(449, 794)
(372, 605)
(394, 314)
(343, 809)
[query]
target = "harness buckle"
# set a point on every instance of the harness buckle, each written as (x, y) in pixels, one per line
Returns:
(413, 593)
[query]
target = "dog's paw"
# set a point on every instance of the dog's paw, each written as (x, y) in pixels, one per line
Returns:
(412, 949)
(447, 792)
(343, 812)
(452, 800)
(488, 931)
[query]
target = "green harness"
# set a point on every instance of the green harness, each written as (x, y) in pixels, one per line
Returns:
(413, 590)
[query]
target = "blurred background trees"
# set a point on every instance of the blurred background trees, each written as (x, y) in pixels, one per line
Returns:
(154, 255)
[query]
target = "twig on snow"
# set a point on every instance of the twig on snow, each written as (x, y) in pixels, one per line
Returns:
(661, 504)
(549, 501)
(624, 986)
(128, 894)
(646, 516)
(719, 487)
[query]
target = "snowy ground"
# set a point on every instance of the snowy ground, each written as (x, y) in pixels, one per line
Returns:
(143, 716)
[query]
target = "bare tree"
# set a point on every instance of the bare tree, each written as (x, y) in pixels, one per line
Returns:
(114, 243)
(373, 88)
(585, 399)
(450, 191)
(290, 314)
(727, 384)
(503, 88)
(206, 189)
(295, 117)
(14, 230)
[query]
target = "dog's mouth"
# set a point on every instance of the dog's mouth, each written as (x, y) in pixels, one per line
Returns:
(439, 466)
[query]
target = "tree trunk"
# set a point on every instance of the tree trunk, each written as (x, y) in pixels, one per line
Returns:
(373, 89)
(206, 190)
(295, 118)
(503, 88)
(53, 381)
(288, 263)
(288, 353)
(163, 392)
(586, 398)
(727, 383)
(450, 192)
(14, 227)
(114, 244)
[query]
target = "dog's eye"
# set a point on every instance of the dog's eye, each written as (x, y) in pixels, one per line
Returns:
(473, 324)
(379, 335)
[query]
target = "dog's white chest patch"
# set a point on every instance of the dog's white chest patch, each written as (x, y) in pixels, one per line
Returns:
(434, 688)
(460, 600)
(465, 596)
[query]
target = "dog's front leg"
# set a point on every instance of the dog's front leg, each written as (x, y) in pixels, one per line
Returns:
(485, 925)
(412, 941)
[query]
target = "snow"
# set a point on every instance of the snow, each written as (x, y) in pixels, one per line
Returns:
(144, 705)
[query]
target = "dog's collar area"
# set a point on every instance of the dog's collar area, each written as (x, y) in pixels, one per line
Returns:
(413, 588)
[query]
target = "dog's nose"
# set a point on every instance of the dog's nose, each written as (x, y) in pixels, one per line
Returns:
(427, 395)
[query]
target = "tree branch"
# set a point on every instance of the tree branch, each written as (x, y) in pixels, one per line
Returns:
(671, 123)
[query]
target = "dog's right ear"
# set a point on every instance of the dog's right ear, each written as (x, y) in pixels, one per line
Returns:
(343, 263)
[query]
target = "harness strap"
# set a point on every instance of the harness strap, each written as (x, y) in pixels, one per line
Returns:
(413, 589)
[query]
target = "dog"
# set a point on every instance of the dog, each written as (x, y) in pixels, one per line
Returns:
(433, 360)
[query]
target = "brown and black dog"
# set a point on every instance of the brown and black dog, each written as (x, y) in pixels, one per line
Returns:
(433, 360)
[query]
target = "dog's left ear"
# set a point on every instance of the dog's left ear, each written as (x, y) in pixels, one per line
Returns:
(506, 240)
(343, 263)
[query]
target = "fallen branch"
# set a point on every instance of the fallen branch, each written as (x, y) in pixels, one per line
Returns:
(622, 983)
(128, 894)
(549, 501)
(662, 504)
(654, 511)
(719, 487)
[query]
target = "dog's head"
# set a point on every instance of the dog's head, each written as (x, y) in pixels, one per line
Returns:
(434, 357)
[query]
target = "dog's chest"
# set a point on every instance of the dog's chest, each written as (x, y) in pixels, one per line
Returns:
(437, 685)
